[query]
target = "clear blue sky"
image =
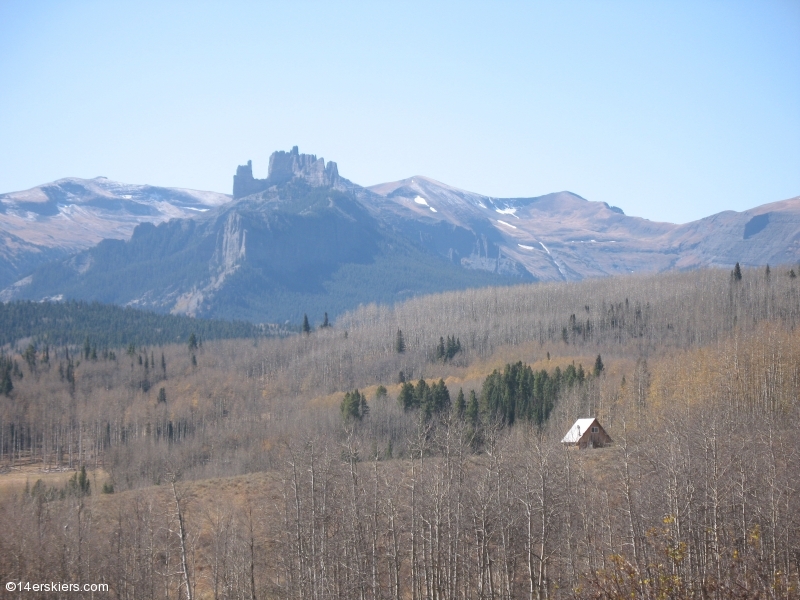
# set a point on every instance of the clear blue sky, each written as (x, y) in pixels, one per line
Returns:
(671, 110)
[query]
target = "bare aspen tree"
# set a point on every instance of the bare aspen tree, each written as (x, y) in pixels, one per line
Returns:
(186, 580)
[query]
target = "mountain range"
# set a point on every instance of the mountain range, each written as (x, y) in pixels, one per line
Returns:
(57, 219)
(307, 240)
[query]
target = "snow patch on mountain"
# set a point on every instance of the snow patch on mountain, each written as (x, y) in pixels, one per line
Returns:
(507, 211)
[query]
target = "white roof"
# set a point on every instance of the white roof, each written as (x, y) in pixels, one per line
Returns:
(577, 430)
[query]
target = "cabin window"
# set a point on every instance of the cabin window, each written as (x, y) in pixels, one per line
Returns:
(594, 430)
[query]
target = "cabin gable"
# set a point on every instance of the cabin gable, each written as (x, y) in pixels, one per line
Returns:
(587, 433)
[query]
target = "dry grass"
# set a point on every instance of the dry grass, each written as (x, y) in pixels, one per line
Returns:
(13, 480)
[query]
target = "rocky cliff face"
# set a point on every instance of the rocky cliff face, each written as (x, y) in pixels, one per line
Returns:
(284, 167)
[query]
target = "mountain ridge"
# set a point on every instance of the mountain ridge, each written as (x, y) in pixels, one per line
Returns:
(307, 239)
(68, 215)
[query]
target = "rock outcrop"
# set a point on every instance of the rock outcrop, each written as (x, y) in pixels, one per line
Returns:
(283, 167)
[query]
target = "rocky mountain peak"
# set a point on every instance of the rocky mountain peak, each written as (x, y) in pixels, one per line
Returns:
(283, 167)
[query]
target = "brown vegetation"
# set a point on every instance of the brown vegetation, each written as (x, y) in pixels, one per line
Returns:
(243, 481)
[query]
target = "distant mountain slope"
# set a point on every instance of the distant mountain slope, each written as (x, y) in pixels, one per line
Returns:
(291, 249)
(563, 236)
(59, 218)
(106, 326)
(306, 240)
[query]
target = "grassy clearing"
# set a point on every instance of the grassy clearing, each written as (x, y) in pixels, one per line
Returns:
(14, 480)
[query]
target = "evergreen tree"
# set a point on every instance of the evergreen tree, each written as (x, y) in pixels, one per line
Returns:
(306, 326)
(6, 385)
(519, 393)
(736, 275)
(461, 404)
(163, 365)
(473, 410)
(440, 397)
(453, 346)
(325, 322)
(399, 343)
(79, 484)
(30, 357)
(406, 396)
(353, 407)
(598, 366)
(162, 395)
(380, 392)
(87, 348)
(421, 392)
(192, 342)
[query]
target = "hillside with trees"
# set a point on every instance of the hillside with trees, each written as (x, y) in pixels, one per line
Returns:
(108, 326)
(414, 451)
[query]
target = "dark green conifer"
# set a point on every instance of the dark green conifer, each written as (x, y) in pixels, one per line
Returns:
(406, 396)
(306, 326)
(353, 407)
(736, 275)
(598, 366)
(399, 343)
(473, 410)
(6, 385)
(30, 357)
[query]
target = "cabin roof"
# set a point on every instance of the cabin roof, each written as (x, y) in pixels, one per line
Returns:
(580, 427)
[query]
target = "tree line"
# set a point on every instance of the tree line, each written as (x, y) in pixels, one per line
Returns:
(108, 326)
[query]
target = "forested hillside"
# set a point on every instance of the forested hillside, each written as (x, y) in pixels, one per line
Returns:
(414, 451)
(108, 326)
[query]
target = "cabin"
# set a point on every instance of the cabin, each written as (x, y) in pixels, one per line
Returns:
(587, 433)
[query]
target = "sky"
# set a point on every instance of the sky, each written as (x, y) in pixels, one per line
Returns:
(670, 110)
